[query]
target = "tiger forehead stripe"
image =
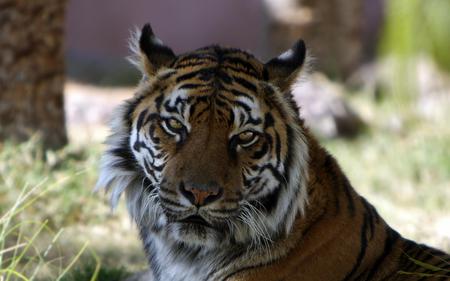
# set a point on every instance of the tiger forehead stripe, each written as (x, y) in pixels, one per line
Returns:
(240, 65)
(222, 77)
(206, 55)
(233, 59)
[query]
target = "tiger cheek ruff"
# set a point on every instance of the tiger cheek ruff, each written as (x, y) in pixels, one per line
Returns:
(225, 183)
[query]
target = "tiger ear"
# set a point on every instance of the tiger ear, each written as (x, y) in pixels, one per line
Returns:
(284, 70)
(150, 54)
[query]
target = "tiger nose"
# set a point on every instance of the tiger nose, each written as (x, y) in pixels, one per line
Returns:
(201, 195)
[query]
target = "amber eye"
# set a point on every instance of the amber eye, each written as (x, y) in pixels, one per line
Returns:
(247, 138)
(172, 125)
(175, 124)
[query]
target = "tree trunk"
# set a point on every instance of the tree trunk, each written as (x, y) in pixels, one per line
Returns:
(32, 70)
(332, 30)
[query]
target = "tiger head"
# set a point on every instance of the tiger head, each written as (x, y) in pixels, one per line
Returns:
(210, 151)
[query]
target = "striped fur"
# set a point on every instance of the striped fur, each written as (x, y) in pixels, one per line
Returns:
(285, 212)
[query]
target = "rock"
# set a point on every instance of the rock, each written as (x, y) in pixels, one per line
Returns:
(87, 104)
(427, 86)
(324, 108)
(89, 110)
(333, 31)
(433, 86)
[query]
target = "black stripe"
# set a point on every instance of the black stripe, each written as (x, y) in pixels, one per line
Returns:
(241, 118)
(290, 152)
(190, 86)
(268, 202)
(268, 120)
(240, 94)
(328, 166)
(125, 159)
(149, 170)
(347, 190)
(246, 66)
(426, 255)
(158, 101)
(245, 83)
(166, 75)
(252, 121)
(195, 56)
(391, 238)
(140, 144)
(246, 107)
(362, 249)
(174, 108)
(173, 215)
(129, 108)
(166, 190)
(187, 76)
(221, 102)
(151, 117)
(151, 133)
(234, 69)
(370, 216)
(275, 173)
(278, 148)
(260, 153)
(224, 211)
(168, 201)
(268, 138)
(231, 117)
(249, 183)
(158, 168)
(224, 77)
(199, 114)
(261, 187)
(141, 120)
(191, 64)
(148, 184)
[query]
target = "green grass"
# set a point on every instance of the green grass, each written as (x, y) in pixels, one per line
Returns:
(88, 270)
(414, 27)
(22, 257)
(45, 197)
(72, 170)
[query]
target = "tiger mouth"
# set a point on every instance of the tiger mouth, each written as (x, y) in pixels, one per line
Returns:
(196, 220)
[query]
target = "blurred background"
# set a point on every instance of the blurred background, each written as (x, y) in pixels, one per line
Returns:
(377, 96)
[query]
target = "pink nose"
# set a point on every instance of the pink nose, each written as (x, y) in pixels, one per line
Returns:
(201, 195)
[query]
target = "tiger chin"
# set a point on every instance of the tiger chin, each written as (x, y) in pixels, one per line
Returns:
(225, 182)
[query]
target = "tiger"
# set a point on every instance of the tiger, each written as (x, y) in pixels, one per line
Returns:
(225, 182)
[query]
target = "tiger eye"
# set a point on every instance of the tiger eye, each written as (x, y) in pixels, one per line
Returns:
(175, 124)
(246, 136)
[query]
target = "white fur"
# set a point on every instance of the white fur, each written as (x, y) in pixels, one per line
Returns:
(111, 177)
(286, 55)
(133, 44)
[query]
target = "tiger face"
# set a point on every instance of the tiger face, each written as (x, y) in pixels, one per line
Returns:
(203, 149)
